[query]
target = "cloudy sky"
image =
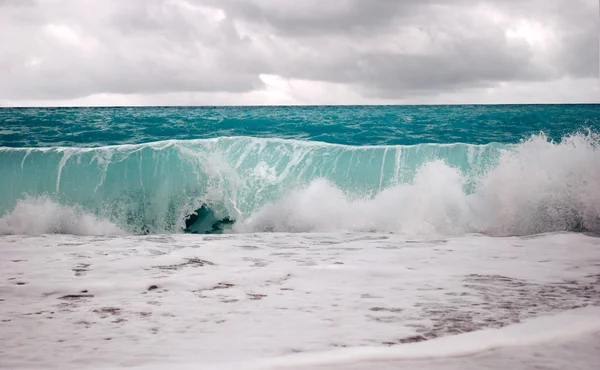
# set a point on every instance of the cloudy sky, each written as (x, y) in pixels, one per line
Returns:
(238, 52)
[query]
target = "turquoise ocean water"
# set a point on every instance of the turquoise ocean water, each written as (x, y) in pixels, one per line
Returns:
(498, 170)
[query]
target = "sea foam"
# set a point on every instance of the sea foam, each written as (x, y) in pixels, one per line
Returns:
(40, 215)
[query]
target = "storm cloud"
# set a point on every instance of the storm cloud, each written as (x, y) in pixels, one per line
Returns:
(90, 52)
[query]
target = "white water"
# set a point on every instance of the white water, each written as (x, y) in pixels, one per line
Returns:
(271, 301)
(40, 215)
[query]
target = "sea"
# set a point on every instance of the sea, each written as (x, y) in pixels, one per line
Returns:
(337, 237)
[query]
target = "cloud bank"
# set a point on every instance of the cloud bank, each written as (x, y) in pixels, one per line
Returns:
(237, 52)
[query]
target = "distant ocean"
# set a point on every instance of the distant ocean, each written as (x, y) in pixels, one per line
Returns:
(341, 237)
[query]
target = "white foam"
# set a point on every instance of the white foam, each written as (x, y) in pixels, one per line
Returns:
(561, 327)
(433, 203)
(263, 297)
(41, 215)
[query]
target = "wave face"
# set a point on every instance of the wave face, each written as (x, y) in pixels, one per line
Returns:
(298, 186)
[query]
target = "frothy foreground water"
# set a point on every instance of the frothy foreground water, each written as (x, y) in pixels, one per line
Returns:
(308, 301)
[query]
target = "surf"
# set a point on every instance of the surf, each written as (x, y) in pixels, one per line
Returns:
(267, 185)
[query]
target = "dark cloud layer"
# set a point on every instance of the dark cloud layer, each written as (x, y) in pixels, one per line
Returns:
(389, 49)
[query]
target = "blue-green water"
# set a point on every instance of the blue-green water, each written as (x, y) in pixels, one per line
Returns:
(445, 169)
(347, 125)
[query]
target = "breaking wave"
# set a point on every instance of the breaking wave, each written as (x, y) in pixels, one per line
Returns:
(278, 185)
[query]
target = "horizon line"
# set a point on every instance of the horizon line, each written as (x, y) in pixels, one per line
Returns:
(286, 105)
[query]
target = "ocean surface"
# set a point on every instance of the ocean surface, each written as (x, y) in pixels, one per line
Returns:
(364, 237)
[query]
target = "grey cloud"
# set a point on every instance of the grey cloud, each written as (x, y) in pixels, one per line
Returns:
(574, 22)
(579, 53)
(63, 49)
(154, 50)
(472, 55)
(316, 18)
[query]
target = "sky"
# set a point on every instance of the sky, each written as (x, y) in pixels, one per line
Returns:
(280, 52)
